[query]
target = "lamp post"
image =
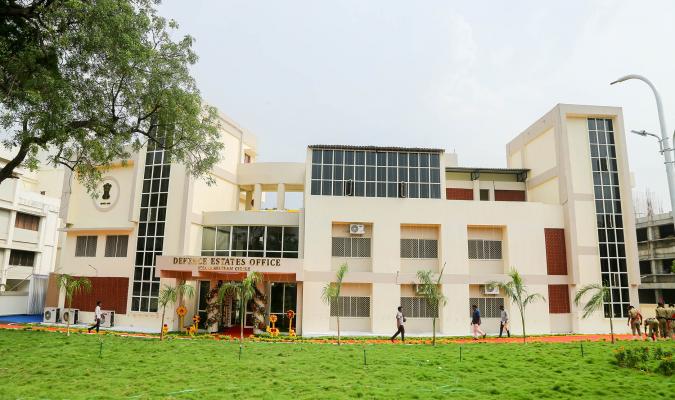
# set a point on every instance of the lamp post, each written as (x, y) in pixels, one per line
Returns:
(666, 148)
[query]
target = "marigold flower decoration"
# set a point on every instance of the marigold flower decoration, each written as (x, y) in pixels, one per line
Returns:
(192, 330)
(195, 319)
(181, 311)
(290, 314)
(273, 318)
(165, 328)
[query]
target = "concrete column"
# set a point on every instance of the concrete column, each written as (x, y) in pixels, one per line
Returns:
(249, 199)
(257, 196)
(281, 196)
(386, 297)
(3, 269)
(476, 190)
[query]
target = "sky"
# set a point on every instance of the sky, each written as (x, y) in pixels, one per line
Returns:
(464, 76)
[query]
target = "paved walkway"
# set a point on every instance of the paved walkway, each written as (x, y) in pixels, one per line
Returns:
(439, 340)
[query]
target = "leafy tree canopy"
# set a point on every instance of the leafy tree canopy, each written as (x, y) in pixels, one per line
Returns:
(90, 81)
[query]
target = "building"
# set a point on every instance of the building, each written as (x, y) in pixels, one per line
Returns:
(29, 217)
(561, 213)
(656, 247)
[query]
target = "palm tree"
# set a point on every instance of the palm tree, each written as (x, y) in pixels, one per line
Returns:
(169, 294)
(331, 294)
(431, 291)
(599, 296)
(516, 291)
(72, 286)
(243, 291)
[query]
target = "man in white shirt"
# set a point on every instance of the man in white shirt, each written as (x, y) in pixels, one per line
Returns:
(400, 320)
(97, 317)
(504, 323)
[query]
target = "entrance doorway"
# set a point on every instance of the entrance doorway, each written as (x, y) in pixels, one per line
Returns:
(283, 297)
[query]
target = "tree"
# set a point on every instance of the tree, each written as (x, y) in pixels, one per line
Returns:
(169, 295)
(431, 291)
(90, 82)
(72, 286)
(331, 294)
(243, 291)
(599, 296)
(515, 290)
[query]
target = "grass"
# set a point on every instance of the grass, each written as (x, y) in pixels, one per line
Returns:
(50, 365)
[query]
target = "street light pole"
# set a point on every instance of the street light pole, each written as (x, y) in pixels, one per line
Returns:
(666, 148)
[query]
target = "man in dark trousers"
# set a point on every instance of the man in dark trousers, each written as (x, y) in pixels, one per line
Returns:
(400, 320)
(97, 317)
(504, 322)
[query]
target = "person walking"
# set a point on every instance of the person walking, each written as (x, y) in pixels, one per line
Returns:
(400, 320)
(504, 323)
(634, 321)
(475, 323)
(662, 317)
(97, 318)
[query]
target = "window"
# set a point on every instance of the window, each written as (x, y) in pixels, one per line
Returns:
(418, 307)
(485, 195)
(151, 225)
(250, 241)
(667, 230)
(419, 248)
(116, 245)
(375, 173)
(609, 216)
(351, 306)
(351, 247)
(641, 234)
(480, 249)
(647, 296)
(645, 267)
(21, 258)
(488, 306)
(558, 299)
(86, 246)
(27, 221)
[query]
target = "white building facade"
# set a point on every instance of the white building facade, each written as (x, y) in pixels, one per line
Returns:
(561, 214)
(29, 218)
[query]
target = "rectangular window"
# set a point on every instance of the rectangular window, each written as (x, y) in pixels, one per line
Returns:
(21, 258)
(250, 241)
(418, 307)
(85, 246)
(488, 306)
(375, 173)
(27, 221)
(484, 194)
(354, 247)
(419, 248)
(351, 307)
(480, 249)
(116, 245)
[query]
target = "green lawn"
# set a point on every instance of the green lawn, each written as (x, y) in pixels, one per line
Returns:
(50, 365)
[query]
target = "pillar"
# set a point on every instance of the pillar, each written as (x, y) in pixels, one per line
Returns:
(257, 196)
(281, 196)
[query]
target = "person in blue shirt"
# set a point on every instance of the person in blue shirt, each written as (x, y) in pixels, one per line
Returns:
(475, 323)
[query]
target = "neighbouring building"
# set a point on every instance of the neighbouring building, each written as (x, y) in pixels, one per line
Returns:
(29, 218)
(656, 247)
(560, 212)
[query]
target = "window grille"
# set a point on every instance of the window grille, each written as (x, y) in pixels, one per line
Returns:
(419, 248)
(351, 247)
(351, 306)
(85, 246)
(21, 258)
(116, 245)
(480, 249)
(488, 306)
(418, 307)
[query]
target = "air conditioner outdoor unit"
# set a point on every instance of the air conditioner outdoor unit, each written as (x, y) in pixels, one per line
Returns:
(490, 289)
(107, 319)
(70, 315)
(51, 315)
(357, 229)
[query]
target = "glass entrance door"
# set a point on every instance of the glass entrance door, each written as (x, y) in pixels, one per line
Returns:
(283, 297)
